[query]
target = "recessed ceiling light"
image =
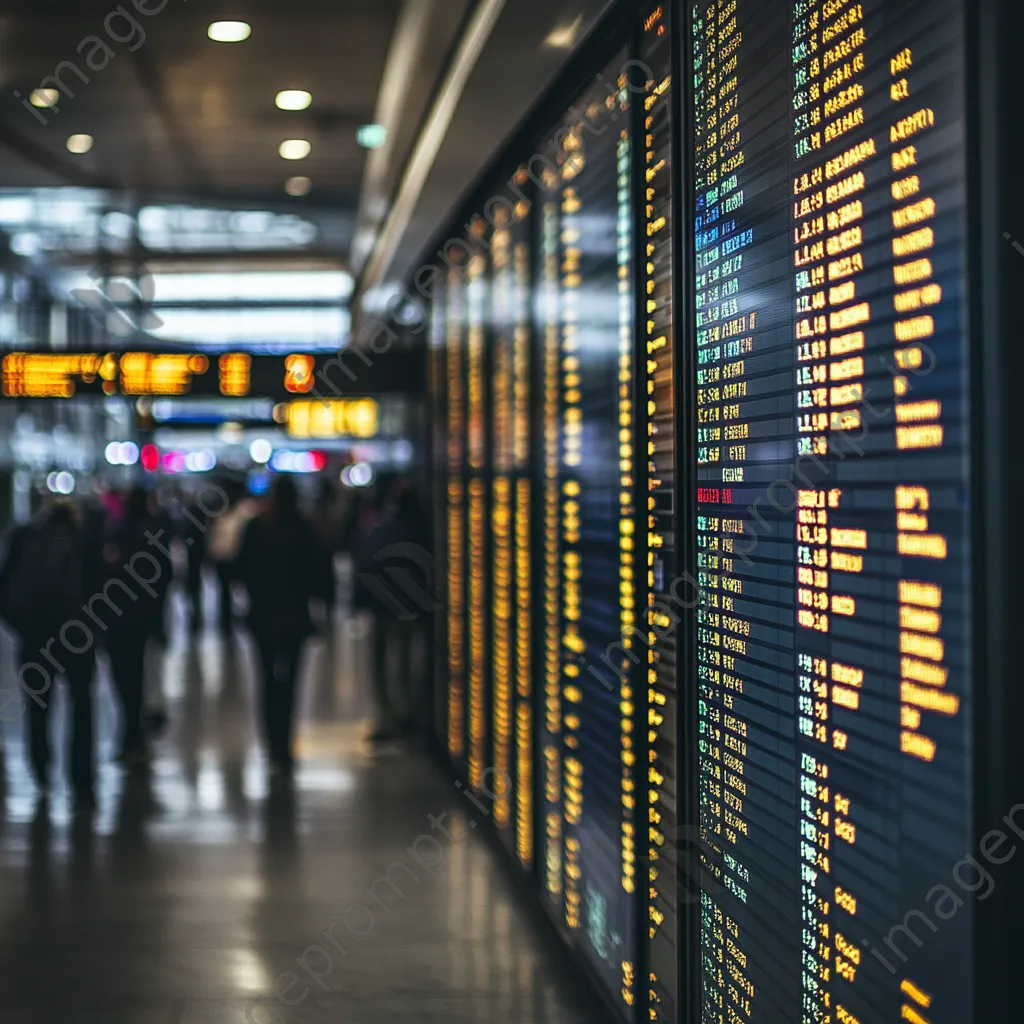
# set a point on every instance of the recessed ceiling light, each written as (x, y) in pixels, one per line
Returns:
(298, 186)
(293, 99)
(294, 149)
(79, 143)
(371, 136)
(44, 97)
(229, 31)
(562, 37)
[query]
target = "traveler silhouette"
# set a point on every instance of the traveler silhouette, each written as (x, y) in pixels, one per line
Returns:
(139, 620)
(44, 580)
(281, 566)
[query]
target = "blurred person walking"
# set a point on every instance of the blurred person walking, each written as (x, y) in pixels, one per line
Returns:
(45, 578)
(192, 531)
(224, 546)
(326, 520)
(140, 620)
(396, 600)
(281, 568)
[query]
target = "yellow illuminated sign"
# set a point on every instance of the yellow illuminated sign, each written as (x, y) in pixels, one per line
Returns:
(298, 374)
(45, 374)
(53, 375)
(235, 370)
(145, 373)
(338, 417)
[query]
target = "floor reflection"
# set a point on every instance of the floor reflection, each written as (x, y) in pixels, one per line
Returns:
(198, 891)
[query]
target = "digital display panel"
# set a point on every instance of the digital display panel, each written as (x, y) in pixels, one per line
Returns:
(477, 525)
(660, 838)
(833, 637)
(587, 313)
(502, 518)
(511, 566)
(338, 417)
(708, 513)
(522, 536)
(455, 515)
(155, 374)
(548, 457)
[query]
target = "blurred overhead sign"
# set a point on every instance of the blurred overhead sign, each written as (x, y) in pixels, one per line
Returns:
(234, 374)
(80, 220)
(339, 417)
(190, 228)
(59, 375)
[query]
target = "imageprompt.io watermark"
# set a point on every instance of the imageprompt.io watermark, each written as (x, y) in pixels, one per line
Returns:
(395, 586)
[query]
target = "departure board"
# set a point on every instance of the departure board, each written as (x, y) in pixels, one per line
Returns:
(588, 313)
(834, 628)
(455, 515)
(521, 501)
(547, 455)
(477, 526)
(511, 566)
(502, 515)
(705, 422)
(660, 490)
(434, 319)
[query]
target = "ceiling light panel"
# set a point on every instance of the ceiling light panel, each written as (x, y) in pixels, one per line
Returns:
(293, 99)
(229, 31)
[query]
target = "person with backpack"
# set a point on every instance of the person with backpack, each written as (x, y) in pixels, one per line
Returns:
(45, 578)
(140, 620)
(282, 570)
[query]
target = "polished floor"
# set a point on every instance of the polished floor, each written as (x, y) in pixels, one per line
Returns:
(201, 895)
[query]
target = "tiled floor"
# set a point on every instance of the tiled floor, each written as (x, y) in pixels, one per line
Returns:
(201, 896)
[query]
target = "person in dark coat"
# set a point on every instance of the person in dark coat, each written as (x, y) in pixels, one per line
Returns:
(282, 570)
(192, 530)
(326, 519)
(141, 620)
(45, 579)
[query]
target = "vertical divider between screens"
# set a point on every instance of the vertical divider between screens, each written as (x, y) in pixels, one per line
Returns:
(686, 447)
(639, 685)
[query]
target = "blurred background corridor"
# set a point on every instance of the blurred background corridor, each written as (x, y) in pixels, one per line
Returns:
(198, 884)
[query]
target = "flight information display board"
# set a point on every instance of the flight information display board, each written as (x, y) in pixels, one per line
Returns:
(477, 527)
(452, 321)
(547, 455)
(159, 374)
(708, 512)
(511, 568)
(661, 840)
(585, 332)
(833, 636)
